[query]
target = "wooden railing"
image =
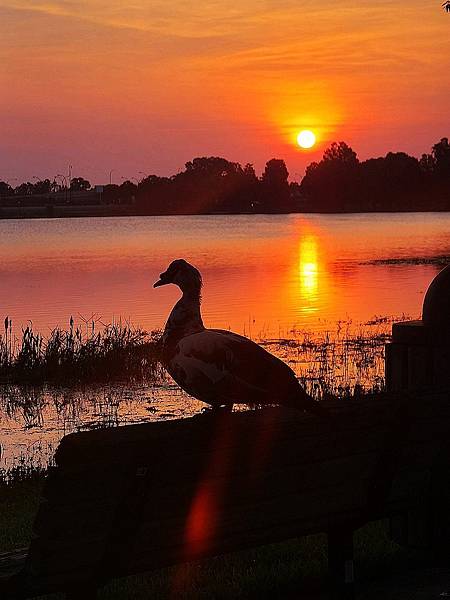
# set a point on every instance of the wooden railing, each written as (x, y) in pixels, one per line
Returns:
(140, 497)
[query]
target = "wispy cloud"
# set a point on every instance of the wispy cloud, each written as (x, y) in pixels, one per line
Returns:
(262, 63)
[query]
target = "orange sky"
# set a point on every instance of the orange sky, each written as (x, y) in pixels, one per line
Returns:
(145, 86)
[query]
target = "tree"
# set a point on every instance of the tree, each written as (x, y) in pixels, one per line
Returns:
(127, 192)
(155, 195)
(446, 6)
(111, 193)
(340, 152)
(441, 156)
(5, 189)
(42, 187)
(212, 166)
(275, 173)
(249, 171)
(24, 189)
(211, 184)
(427, 163)
(332, 184)
(79, 184)
(275, 193)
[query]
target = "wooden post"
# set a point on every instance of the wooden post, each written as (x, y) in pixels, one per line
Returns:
(340, 563)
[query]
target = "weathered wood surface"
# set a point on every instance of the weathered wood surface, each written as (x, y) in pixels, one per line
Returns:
(144, 496)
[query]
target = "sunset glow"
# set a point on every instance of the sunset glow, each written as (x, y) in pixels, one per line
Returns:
(157, 84)
(224, 256)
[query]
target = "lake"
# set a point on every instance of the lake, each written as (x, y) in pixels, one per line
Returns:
(264, 275)
(261, 273)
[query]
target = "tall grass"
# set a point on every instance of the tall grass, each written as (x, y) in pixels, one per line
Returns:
(116, 352)
(346, 361)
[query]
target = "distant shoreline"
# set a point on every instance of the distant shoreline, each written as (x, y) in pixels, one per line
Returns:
(115, 210)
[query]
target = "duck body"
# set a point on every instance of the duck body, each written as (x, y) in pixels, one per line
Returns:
(219, 367)
(222, 368)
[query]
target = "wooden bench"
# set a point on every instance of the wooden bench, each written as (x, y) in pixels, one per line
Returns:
(128, 500)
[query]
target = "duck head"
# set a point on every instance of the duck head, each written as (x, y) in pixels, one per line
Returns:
(182, 274)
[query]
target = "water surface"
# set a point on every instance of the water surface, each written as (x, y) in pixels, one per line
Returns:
(261, 273)
(265, 276)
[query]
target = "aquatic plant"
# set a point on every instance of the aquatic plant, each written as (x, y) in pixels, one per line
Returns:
(116, 352)
(345, 361)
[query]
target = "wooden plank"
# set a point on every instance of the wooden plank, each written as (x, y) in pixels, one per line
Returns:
(195, 430)
(205, 439)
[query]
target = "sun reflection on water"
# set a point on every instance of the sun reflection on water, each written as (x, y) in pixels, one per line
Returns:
(308, 271)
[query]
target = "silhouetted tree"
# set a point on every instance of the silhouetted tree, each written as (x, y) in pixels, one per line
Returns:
(427, 164)
(79, 184)
(127, 192)
(338, 182)
(249, 171)
(390, 182)
(275, 173)
(207, 184)
(111, 193)
(275, 193)
(55, 186)
(441, 156)
(212, 166)
(446, 6)
(5, 189)
(42, 187)
(24, 189)
(340, 152)
(211, 184)
(155, 195)
(331, 185)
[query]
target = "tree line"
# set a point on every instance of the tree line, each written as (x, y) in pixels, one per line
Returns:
(339, 182)
(394, 182)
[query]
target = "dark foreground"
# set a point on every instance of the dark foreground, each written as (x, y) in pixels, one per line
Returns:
(290, 570)
(206, 493)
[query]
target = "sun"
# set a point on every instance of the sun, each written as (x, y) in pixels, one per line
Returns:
(306, 139)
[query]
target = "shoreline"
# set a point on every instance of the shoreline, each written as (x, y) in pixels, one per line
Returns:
(116, 210)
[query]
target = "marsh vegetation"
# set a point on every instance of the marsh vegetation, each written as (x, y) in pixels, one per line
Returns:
(89, 354)
(92, 376)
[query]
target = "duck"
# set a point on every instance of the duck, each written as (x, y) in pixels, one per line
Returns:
(219, 367)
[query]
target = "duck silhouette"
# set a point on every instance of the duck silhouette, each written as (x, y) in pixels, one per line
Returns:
(219, 367)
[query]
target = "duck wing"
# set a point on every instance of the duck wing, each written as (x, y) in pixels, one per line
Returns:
(218, 366)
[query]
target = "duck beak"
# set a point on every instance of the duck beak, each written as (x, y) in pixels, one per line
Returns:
(161, 281)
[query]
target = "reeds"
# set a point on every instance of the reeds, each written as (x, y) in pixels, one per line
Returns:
(116, 352)
(344, 362)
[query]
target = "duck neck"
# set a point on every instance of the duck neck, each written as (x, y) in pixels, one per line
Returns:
(185, 317)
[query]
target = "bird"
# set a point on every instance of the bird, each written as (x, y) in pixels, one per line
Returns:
(219, 367)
